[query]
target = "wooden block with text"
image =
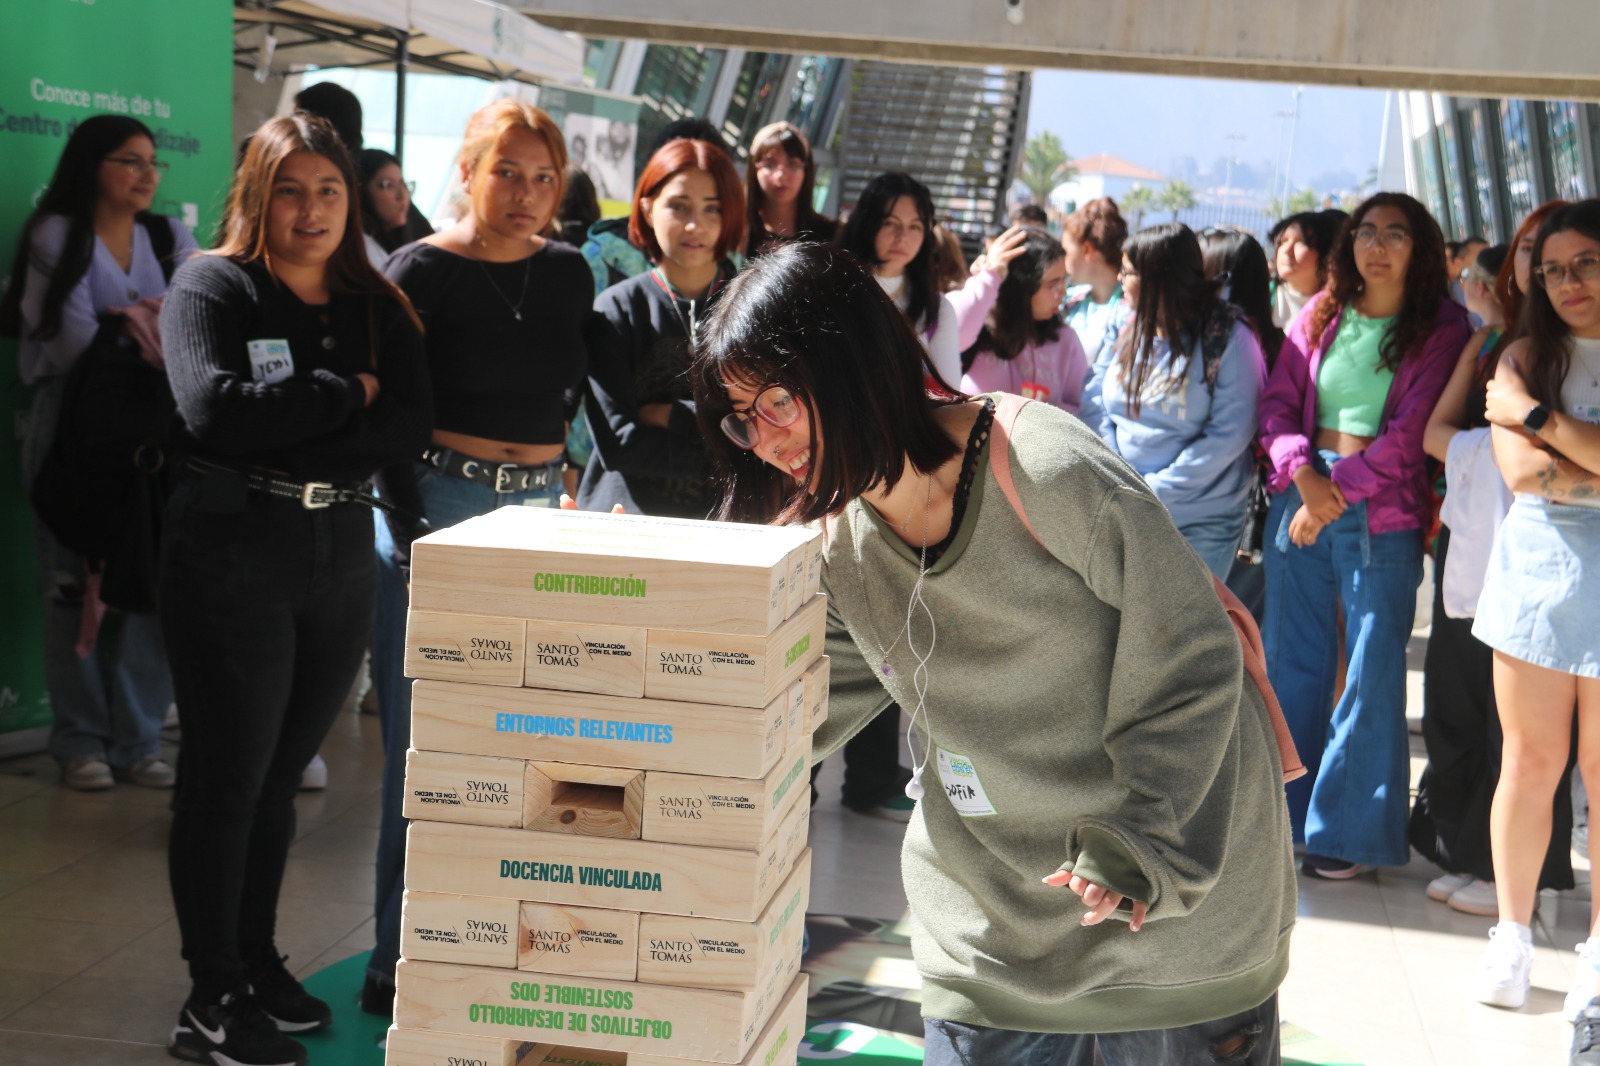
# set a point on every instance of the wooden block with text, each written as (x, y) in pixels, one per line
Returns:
(472, 789)
(635, 875)
(595, 801)
(694, 1023)
(449, 927)
(581, 941)
(727, 668)
(641, 734)
(424, 1047)
(723, 812)
(585, 658)
(713, 953)
(607, 569)
(475, 648)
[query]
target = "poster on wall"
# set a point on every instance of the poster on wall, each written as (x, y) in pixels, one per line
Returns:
(601, 131)
(168, 64)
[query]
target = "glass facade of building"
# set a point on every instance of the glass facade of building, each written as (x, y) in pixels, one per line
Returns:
(1482, 165)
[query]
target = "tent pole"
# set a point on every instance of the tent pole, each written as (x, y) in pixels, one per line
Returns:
(402, 60)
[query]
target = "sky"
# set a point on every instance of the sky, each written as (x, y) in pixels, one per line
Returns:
(1154, 120)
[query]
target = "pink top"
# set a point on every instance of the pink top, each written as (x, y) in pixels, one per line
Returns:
(1052, 372)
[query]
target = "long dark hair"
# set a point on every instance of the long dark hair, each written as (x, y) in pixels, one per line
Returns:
(74, 190)
(1240, 257)
(811, 318)
(1319, 229)
(1549, 354)
(1174, 297)
(861, 234)
(244, 220)
(787, 138)
(1426, 282)
(1011, 326)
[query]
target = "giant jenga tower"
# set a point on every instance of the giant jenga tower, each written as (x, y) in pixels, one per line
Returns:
(611, 732)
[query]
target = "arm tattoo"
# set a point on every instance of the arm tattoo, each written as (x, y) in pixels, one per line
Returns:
(1562, 479)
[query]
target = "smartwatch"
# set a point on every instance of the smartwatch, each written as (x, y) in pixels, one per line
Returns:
(1536, 418)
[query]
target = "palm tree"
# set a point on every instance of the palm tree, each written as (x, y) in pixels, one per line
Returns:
(1176, 197)
(1045, 164)
(1136, 201)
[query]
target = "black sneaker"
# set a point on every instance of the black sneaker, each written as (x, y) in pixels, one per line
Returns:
(377, 997)
(234, 1032)
(1586, 1037)
(286, 1002)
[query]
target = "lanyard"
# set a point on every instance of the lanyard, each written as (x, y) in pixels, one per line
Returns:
(692, 322)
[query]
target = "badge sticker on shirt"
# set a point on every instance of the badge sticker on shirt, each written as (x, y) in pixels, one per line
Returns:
(962, 786)
(1587, 412)
(1032, 390)
(270, 361)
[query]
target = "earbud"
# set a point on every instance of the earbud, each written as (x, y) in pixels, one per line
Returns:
(914, 786)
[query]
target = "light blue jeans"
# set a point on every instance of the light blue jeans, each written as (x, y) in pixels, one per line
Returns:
(1216, 541)
(1354, 800)
(110, 704)
(449, 501)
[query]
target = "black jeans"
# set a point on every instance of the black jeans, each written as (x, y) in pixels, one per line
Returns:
(872, 770)
(266, 608)
(1247, 1039)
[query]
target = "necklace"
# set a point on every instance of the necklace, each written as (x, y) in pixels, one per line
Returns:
(515, 308)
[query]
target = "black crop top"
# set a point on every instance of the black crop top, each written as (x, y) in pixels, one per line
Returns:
(495, 376)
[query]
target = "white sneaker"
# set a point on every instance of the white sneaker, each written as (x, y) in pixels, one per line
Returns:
(1476, 897)
(1585, 981)
(1501, 979)
(1440, 889)
(315, 776)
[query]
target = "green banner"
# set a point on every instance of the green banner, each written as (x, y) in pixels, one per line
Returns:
(168, 63)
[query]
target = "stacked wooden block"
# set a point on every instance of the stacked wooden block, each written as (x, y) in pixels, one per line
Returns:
(611, 737)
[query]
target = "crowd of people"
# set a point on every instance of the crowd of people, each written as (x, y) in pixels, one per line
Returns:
(1131, 440)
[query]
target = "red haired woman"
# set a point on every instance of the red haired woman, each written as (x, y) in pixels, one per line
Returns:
(649, 457)
(299, 372)
(1341, 419)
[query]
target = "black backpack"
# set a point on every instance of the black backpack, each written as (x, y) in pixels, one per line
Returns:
(105, 480)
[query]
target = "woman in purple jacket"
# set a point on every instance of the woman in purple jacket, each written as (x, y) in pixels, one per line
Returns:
(1342, 420)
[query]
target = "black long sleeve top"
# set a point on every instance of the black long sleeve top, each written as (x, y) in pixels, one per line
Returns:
(264, 380)
(639, 353)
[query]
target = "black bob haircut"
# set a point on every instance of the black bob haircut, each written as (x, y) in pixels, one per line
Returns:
(860, 235)
(811, 318)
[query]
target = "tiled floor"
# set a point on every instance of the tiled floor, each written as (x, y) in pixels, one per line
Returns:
(90, 974)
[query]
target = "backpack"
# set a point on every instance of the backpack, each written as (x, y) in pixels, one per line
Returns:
(1250, 644)
(105, 480)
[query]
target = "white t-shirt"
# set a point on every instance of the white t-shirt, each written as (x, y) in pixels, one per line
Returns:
(943, 349)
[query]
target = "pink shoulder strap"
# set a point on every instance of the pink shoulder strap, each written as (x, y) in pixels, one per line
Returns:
(1007, 409)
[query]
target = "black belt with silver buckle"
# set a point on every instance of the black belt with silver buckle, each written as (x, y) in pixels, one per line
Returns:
(311, 495)
(501, 477)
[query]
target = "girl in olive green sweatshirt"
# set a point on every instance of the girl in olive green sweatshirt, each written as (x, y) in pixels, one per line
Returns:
(1089, 746)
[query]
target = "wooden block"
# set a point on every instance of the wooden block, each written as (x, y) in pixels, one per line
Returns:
(726, 668)
(594, 801)
(709, 953)
(581, 941)
(448, 927)
(476, 648)
(816, 682)
(642, 734)
(693, 1023)
(606, 569)
(635, 875)
(472, 789)
(722, 812)
(778, 1044)
(423, 1047)
(580, 658)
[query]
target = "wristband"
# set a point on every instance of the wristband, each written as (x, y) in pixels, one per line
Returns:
(1535, 419)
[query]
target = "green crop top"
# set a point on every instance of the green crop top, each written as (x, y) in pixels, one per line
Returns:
(1352, 382)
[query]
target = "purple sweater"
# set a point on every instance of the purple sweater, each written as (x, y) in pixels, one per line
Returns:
(1390, 473)
(1059, 366)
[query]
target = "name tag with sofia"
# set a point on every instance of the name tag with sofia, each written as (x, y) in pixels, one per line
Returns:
(270, 361)
(961, 785)
(1032, 390)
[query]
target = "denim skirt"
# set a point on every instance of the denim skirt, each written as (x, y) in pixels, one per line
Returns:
(1541, 595)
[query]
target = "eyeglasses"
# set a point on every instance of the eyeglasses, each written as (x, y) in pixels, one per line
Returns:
(1582, 268)
(773, 405)
(389, 185)
(140, 166)
(772, 164)
(1394, 237)
(1127, 272)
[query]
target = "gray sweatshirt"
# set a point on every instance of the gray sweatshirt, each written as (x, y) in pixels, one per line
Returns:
(1086, 709)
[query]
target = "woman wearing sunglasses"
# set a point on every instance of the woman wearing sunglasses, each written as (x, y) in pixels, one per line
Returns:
(1132, 766)
(1540, 608)
(1342, 420)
